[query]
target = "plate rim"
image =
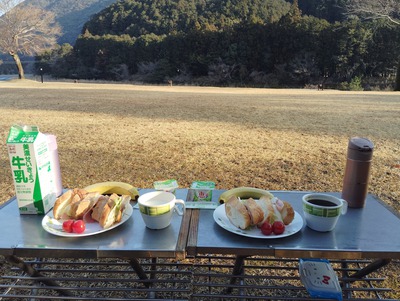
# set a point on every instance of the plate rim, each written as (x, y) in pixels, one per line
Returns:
(125, 217)
(221, 210)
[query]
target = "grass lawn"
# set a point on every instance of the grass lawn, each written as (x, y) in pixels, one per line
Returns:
(266, 138)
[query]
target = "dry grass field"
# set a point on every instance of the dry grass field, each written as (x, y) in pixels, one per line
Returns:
(271, 139)
(266, 138)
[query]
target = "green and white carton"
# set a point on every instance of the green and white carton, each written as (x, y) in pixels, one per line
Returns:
(31, 168)
(168, 185)
(200, 195)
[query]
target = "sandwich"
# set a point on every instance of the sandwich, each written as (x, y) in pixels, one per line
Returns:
(79, 209)
(249, 212)
(108, 210)
(275, 210)
(70, 205)
(90, 207)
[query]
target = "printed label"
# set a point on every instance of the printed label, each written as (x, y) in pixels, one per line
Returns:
(324, 212)
(31, 169)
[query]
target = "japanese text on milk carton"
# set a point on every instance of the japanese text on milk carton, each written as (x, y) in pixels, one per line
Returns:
(31, 169)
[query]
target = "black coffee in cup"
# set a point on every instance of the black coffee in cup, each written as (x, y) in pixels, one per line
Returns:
(322, 211)
(323, 203)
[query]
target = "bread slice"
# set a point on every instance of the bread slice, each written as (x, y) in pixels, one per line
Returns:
(105, 214)
(287, 213)
(250, 212)
(99, 207)
(266, 205)
(254, 210)
(62, 203)
(79, 208)
(77, 196)
(237, 213)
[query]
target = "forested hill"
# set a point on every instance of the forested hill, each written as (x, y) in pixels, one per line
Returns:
(163, 16)
(268, 43)
(330, 10)
(71, 14)
(140, 17)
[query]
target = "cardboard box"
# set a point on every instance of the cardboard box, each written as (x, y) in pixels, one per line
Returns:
(31, 168)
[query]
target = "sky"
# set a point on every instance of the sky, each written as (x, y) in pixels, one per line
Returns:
(8, 3)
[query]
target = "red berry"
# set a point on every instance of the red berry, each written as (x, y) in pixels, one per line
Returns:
(78, 226)
(266, 228)
(278, 227)
(67, 225)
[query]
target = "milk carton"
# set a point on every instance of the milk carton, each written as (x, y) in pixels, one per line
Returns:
(31, 168)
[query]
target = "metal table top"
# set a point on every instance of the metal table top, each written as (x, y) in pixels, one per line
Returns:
(370, 232)
(23, 235)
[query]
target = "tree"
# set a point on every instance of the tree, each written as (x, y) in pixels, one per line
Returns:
(26, 30)
(372, 9)
(59, 61)
(388, 10)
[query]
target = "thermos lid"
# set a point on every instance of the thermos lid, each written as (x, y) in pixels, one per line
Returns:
(360, 149)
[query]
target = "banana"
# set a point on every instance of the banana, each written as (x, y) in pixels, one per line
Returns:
(243, 193)
(120, 188)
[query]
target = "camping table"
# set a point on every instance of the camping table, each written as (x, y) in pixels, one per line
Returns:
(134, 263)
(368, 236)
(23, 238)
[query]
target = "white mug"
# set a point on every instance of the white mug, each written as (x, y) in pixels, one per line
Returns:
(157, 208)
(322, 211)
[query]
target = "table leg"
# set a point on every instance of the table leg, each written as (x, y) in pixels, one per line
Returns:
(135, 264)
(237, 270)
(31, 271)
(372, 267)
(139, 271)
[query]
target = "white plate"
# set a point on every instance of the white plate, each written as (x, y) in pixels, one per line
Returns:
(222, 220)
(54, 226)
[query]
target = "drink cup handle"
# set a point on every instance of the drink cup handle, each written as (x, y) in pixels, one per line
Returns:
(344, 207)
(178, 210)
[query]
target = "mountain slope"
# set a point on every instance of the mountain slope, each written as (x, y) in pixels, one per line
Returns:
(71, 14)
(164, 17)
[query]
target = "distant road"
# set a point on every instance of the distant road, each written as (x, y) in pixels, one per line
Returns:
(4, 77)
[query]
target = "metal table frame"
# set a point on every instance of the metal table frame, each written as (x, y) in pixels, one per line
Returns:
(360, 234)
(193, 237)
(25, 237)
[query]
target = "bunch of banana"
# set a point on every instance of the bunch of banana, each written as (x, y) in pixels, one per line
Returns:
(243, 193)
(120, 188)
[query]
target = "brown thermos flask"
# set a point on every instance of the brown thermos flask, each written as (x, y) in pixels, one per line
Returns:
(356, 175)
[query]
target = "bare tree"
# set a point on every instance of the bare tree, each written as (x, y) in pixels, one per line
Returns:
(388, 10)
(26, 30)
(375, 9)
